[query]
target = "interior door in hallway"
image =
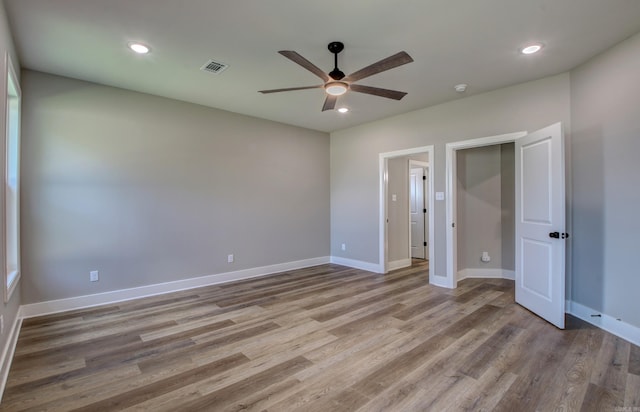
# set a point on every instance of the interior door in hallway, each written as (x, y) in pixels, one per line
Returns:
(418, 212)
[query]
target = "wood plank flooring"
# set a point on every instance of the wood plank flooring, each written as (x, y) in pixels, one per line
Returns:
(327, 338)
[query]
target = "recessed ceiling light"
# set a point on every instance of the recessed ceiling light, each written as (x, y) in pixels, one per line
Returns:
(139, 48)
(343, 109)
(531, 49)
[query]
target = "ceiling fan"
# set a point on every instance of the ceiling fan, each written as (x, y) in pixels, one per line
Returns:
(336, 83)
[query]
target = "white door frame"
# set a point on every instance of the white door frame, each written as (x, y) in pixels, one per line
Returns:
(451, 149)
(384, 183)
(424, 165)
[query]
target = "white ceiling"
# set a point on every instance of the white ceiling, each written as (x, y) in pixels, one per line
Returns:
(451, 42)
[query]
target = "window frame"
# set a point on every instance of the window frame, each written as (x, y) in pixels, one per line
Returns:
(12, 91)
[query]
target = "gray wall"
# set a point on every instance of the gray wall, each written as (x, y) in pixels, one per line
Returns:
(354, 154)
(479, 207)
(605, 114)
(8, 310)
(486, 207)
(508, 205)
(149, 190)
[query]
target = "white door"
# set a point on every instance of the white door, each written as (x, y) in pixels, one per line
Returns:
(540, 223)
(417, 212)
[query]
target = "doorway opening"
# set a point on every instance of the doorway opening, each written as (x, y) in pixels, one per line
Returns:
(452, 194)
(540, 231)
(485, 212)
(394, 223)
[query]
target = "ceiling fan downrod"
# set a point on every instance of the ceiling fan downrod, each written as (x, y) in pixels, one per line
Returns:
(335, 48)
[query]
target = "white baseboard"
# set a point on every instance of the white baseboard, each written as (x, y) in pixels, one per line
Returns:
(612, 325)
(8, 351)
(357, 264)
(81, 302)
(399, 264)
(486, 273)
(440, 281)
(509, 274)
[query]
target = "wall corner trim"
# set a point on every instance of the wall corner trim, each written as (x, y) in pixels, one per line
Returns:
(357, 264)
(399, 264)
(8, 351)
(612, 325)
(440, 281)
(81, 302)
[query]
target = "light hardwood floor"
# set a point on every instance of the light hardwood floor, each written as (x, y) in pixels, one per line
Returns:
(326, 338)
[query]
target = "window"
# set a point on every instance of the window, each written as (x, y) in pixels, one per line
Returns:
(12, 182)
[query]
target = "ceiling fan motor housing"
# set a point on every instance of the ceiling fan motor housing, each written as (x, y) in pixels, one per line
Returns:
(336, 74)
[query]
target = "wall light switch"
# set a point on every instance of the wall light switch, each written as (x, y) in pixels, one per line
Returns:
(229, 258)
(394, 197)
(439, 195)
(94, 276)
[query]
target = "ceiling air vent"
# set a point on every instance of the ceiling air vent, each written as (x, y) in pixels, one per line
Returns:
(214, 67)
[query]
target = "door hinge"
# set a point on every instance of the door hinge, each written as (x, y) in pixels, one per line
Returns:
(424, 177)
(425, 243)
(453, 225)
(424, 210)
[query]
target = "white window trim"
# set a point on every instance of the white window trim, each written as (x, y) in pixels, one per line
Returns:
(10, 279)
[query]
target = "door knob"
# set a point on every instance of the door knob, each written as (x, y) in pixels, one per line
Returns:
(555, 235)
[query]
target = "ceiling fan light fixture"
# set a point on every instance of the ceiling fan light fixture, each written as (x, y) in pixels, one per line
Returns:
(336, 88)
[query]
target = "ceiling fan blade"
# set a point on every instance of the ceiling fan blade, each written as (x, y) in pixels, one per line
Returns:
(329, 103)
(376, 91)
(390, 62)
(296, 58)
(290, 89)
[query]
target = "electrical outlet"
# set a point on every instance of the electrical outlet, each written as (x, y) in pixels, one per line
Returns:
(229, 258)
(344, 246)
(94, 276)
